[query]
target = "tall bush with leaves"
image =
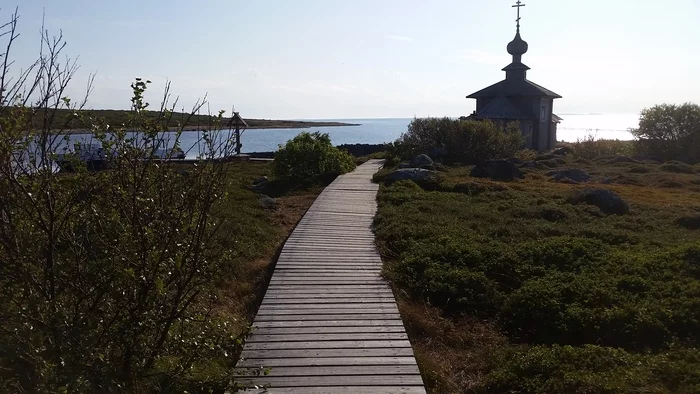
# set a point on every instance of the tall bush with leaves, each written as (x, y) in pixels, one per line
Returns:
(589, 147)
(670, 131)
(465, 141)
(105, 277)
(310, 155)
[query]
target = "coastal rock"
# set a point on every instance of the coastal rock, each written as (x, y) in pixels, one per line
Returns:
(563, 151)
(421, 160)
(498, 170)
(267, 202)
(413, 174)
(572, 174)
(545, 156)
(260, 180)
(515, 161)
(608, 201)
(260, 184)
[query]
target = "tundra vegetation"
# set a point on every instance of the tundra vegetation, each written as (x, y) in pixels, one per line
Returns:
(140, 278)
(524, 287)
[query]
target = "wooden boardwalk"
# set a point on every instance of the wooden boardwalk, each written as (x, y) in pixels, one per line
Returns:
(329, 322)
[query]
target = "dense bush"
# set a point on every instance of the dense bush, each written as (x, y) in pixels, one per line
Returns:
(464, 141)
(569, 287)
(106, 278)
(591, 369)
(589, 147)
(309, 155)
(670, 131)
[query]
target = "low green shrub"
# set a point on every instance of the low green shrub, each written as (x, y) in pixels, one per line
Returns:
(464, 141)
(550, 272)
(691, 222)
(309, 155)
(591, 369)
(677, 167)
(639, 170)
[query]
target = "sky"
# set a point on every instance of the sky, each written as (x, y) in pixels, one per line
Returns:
(338, 59)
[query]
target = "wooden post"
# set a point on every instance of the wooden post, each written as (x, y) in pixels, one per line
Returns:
(238, 139)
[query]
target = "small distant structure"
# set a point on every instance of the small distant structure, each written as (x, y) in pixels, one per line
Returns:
(517, 99)
(239, 125)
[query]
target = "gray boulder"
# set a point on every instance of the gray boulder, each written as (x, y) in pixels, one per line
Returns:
(262, 179)
(260, 187)
(421, 160)
(515, 161)
(573, 174)
(498, 170)
(413, 174)
(563, 151)
(260, 184)
(267, 202)
(608, 201)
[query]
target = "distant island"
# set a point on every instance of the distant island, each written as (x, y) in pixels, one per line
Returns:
(178, 120)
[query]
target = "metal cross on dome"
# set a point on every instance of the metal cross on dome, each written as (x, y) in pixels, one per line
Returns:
(518, 5)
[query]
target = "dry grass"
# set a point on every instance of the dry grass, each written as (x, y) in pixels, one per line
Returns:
(453, 354)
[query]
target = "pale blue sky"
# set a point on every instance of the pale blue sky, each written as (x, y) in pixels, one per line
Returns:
(373, 58)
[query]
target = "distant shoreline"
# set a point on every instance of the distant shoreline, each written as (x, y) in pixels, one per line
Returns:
(287, 124)
(176, 121)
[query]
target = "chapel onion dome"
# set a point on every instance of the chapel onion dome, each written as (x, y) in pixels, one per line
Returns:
(517, 47)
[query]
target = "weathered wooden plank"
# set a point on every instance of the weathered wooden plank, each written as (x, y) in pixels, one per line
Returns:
(320, 381)
(331, 323)
(323, 316)
(324, 353)
(334, 288)
(329, 260)
(281, 290)
(334, 370)
(330, 280)
(325, 273)
(294, 293)
(316, 300)
(327, 344)
(325, 311)
(341, 389)
(290, 290)
(321, 281)
(369, 336)
(334, 306)
(299, 267)
(326, 330)
(325, 361)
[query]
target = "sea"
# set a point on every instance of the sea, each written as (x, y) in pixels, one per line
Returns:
(382, 130)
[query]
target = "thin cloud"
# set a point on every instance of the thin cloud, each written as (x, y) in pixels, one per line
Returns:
(398, 38)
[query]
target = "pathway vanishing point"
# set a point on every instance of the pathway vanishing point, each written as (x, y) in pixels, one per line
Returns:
(329, 322)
